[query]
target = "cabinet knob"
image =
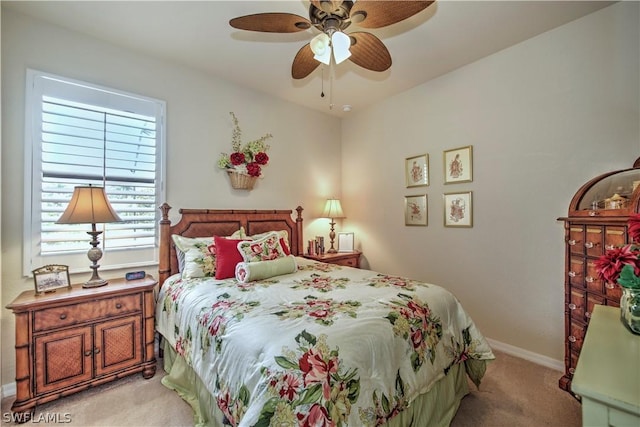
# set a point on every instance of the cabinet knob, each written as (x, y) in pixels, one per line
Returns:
(572, 242)
(572, 371)
(96, 350)
(590, 245)
(587, 315)
(609, 247)
(593, 213)
(573, 274)
(572, 338)
(609, 285)
(88, 353)
(118, 306)
(63, 316)
(572, 306)
(589, 279)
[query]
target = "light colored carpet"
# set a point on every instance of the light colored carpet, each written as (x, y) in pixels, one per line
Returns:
(514, 393)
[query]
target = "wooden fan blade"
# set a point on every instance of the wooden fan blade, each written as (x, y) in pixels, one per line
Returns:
(303, 63)
(376, 14)
(369, 52)
(271, 23)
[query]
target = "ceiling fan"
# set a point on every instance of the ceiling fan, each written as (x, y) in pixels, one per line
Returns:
(332, 17)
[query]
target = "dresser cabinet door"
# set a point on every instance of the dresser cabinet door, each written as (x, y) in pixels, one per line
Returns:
(118, 344)
(63, 359)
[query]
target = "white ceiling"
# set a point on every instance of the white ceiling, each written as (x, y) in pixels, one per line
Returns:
(445, 36)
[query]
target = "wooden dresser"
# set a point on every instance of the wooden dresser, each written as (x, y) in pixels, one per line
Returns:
(348, 259)
(597, 221)
(73, 339)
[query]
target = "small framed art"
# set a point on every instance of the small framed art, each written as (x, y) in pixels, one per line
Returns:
(458, 209)
(50, 278)
(458, 165)
(415, 210)
(416, 170)
(345, 242)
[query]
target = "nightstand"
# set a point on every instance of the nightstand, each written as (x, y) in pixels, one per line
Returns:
(77, 338)
(348, 259)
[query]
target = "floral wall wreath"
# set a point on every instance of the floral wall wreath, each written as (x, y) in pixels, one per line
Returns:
(247, 159)
(622, 265)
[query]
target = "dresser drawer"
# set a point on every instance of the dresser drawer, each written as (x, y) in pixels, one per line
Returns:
(58, 317)
(348, 262)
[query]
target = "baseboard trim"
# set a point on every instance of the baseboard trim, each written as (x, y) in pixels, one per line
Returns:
(536, 358)
(8, 390)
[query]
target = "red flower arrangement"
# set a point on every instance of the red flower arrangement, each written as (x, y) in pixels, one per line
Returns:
(610, 265)
(622, 265)
(246, 159)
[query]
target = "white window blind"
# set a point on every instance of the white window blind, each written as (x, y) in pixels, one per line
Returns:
(81, 134)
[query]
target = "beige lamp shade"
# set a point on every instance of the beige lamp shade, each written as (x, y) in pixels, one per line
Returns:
(333, 209)
(89, 205)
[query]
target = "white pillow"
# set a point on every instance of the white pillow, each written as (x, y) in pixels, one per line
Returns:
(197, 260)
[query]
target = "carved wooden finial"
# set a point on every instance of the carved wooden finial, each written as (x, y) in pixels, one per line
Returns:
(165, 208)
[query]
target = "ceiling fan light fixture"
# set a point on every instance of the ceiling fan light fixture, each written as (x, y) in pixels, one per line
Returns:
(341, 43)
(320, 47)
(325, 57)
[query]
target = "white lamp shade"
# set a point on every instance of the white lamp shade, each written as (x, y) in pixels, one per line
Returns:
(333, 209)
(341, 44)
(321, 49)
(88, 205)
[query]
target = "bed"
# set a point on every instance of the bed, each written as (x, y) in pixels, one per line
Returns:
(271, 338)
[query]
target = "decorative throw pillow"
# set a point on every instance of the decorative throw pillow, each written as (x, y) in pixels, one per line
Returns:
(266, 248)
(227, 256)
(195, 257)
(250, 271)
(284, 239)
(239, 234)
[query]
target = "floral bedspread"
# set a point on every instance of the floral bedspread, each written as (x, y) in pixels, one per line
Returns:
(324, 346)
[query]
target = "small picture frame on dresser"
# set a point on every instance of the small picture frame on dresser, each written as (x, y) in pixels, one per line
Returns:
(345, 242)
(51, 277)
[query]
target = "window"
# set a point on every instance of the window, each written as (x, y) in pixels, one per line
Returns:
(80, 134)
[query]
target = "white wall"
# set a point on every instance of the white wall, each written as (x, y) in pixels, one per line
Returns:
(543, 117)
(304, 168)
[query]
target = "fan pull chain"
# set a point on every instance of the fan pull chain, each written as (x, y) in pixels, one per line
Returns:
(322, 84)
(331, 86)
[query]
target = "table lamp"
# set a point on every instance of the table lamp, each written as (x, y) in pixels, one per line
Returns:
(332, 210)
(89, 205)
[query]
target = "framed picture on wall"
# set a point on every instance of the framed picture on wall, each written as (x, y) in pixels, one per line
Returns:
(458, 209)
(458, 165)
(415, 210)
(416, 170)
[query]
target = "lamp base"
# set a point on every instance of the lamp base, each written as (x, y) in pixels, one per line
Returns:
(93, 283)
(332, 251)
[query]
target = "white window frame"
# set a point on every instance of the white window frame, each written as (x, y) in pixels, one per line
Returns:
(39, 83)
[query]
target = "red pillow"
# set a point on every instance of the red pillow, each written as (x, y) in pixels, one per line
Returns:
(227, 256)
(285, 246)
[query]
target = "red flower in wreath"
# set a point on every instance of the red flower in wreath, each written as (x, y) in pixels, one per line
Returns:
(634, 227)
(261, 158)
(237, 158)
(610, 264)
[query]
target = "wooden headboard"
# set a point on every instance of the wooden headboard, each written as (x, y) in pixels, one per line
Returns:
(210, 222)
